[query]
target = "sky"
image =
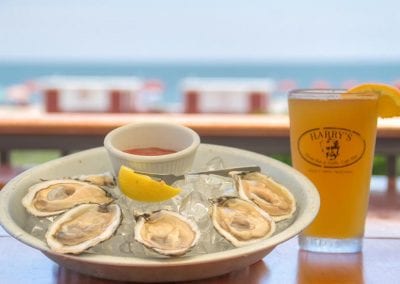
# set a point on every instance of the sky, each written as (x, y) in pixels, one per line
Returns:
(203, 30)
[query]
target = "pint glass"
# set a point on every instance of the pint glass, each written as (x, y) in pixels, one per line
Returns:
(332, 138)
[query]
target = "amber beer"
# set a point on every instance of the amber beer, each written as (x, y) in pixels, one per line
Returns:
(332, 137)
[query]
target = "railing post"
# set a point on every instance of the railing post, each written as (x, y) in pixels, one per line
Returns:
(4, 157)
(391, 172)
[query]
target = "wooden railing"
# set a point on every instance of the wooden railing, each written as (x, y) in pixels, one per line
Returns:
(265, 134)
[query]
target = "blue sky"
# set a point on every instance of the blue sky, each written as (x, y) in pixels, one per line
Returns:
(187, 30)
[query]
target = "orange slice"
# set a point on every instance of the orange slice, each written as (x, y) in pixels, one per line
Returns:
(389, 97)
(143, 188)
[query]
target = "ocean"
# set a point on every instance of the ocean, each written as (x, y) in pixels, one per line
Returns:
(303, 75)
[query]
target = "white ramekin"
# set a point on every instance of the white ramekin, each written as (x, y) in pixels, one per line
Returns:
(164, 135)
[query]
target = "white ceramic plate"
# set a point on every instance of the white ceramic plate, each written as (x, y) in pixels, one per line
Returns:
(13, 217)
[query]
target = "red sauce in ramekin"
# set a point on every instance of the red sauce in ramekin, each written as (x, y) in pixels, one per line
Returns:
(149, 151)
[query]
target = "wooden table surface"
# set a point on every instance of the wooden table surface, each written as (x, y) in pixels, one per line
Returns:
(378, 263)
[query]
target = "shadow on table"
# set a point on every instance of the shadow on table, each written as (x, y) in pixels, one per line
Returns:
(252, 274)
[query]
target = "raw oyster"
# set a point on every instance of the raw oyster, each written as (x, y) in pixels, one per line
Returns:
(272, 197)
(56, 196)
(166, 232)
(241, 222)
(83, 227)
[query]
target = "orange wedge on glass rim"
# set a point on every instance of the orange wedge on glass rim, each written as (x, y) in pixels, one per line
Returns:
(389, 97)
(143, 188)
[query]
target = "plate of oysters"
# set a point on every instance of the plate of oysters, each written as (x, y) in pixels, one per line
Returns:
(72, 210)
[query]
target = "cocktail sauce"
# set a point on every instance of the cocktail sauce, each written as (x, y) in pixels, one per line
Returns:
(149, 151)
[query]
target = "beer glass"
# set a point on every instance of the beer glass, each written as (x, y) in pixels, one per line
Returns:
(332, 138)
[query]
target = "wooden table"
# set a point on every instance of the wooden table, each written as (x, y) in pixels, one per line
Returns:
(378, 263)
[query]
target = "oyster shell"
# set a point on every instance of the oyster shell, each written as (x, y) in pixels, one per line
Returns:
(241, 222)
(272, 197)
(83, 227)
(166, 232)
(105, 179)
(56, 196)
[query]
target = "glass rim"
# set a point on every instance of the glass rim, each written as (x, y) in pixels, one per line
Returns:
(333, 93)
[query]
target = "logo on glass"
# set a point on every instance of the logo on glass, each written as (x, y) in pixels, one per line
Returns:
(331, 147)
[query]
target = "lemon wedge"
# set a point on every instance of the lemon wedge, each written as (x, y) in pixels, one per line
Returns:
(143, 188)
(389, 97)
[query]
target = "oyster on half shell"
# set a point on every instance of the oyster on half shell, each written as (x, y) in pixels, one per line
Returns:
(166, 232)
(269, 195)
(241, 222)
(83, 227)
(56, 196)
